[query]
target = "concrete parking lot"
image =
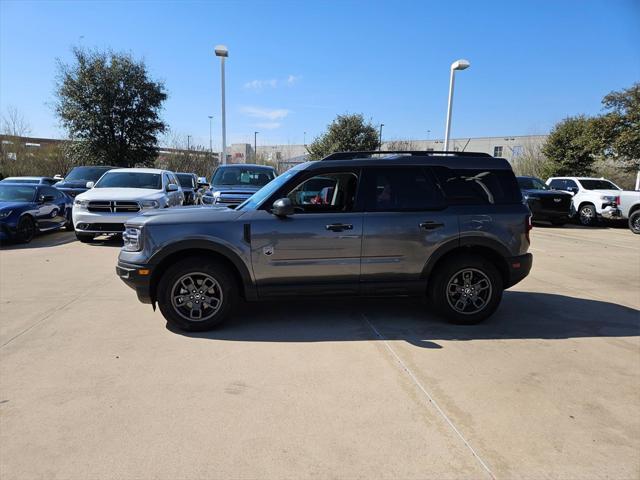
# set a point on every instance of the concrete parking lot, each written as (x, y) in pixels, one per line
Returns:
(93, 384)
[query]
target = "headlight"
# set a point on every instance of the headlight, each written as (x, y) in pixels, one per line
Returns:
(216, 197)
(80, 203)
(5, 214)
(150, 204)
(132, 239)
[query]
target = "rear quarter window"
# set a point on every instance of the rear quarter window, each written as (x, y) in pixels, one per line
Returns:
(478, 186)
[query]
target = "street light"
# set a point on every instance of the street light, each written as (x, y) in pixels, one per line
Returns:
(457, 65)
(223, 52)
(210, 134)
(380, 140)
(188, 138)
(255, 147)
(304, 138)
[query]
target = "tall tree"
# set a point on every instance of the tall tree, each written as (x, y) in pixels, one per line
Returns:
(617, 132)
(569, 147)
(347, 133)
(107, 101)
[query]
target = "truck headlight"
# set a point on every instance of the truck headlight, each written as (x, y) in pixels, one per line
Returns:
(81, 204)
(216, 197)
(150, 204)
(132, 239)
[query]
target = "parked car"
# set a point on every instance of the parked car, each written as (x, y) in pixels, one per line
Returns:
(452, 227)
(76, 180)
(233, 184)
(204, 195)
(630, 209)
(189, 184)
(26, 209)
(544, 202)
(32, 180)
(120, 194)
(593, 198)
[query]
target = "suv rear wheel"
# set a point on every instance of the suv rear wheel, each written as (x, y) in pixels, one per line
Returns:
(587, 215)
(196, 295)
(466, 289)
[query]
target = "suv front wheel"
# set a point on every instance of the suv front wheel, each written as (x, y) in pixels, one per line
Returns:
(196, 294)
(466, 289)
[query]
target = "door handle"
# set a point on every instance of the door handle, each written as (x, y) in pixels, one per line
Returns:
(339, 227)
(430, 225)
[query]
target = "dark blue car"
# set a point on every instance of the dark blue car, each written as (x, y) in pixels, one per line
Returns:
(76, 180)
(28, 209)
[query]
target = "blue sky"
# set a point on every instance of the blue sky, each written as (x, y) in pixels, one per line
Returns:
(294, 65)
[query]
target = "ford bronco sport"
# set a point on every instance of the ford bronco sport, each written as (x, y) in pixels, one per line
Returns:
(448, 225)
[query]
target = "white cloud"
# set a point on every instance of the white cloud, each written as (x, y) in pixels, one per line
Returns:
(269, 125)
(260, 84)
(267, 114)
(293, 79)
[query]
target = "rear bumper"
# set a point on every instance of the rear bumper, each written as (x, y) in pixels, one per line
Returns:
(519, 267)
(135, 277)
(610, 212)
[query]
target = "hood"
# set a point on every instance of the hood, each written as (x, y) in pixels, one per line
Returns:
(12, 205)
(72, 184)
(235, 188)
(119, 194)
(543, 193)
(194, 214)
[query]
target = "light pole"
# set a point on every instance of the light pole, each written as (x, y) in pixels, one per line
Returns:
(210, 134)
(255, 146)
(380, 138)
(188, 138)
(304, 138)
(457, 65)
(223, 53)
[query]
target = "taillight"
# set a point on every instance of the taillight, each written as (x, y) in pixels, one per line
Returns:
(618, 200)
(527, 227)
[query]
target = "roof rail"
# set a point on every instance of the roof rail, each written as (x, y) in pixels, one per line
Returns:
(412, 153)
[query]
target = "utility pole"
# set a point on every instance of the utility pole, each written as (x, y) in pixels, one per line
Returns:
(210, 134)
(380, 137)
(255, 147)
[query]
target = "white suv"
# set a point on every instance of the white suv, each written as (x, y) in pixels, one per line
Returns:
(593, 198)
(120, 194)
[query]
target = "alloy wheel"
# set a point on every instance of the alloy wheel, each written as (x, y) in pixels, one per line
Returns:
(469, 291)
(196, 296)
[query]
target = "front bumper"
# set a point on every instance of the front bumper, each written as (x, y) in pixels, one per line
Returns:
(518, 267)
(91, 222)
(137, 277)
(7, 231)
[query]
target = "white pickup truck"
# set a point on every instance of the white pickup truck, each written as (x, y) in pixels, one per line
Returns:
(595, 198)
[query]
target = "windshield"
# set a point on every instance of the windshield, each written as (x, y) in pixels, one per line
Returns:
(598, 185)
(265, 192)
(186, 180)
(112, 179)
(255, 177)
(85, 174)
(17, 193)
(531, 184)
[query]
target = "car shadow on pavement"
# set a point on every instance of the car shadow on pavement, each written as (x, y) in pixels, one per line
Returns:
(42, 240)
(522, 315)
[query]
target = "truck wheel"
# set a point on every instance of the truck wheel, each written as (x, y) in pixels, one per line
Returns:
(85, 237)
(634, 222)
(587, 215)
(197, 294)
(466, 290)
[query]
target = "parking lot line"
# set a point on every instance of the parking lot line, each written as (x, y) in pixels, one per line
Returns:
(428, 396)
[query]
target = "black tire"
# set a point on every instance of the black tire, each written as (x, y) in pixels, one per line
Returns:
(68, 226)
(587, 215)
(85, 237)
(634, 222)
(447, 273)
(557, 222)
(26, 229)
(172, 291)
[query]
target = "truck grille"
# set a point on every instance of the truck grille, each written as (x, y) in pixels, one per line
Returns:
(113, 206)
(553, 202)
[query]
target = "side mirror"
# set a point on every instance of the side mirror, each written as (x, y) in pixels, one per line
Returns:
(46, 198)
(90, 184)
(282, 207)
(172, 187)
(572, 190)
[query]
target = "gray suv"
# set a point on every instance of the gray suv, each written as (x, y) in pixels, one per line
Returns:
(448, 225)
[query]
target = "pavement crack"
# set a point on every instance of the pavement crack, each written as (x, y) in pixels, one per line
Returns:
(429, 398)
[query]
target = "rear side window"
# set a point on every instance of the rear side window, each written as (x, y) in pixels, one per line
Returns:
(401, 189)
(478, 186)
(558, 184)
